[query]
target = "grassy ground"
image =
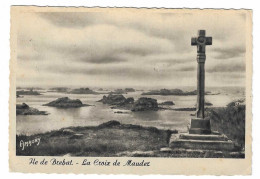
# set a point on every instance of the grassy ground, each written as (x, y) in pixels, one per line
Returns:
(229, 121)
(107, 139)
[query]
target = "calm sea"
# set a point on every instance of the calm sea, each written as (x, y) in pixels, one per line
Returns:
(100, 113)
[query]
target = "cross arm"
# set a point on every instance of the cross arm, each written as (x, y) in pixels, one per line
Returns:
(208, 40)
(194, 41)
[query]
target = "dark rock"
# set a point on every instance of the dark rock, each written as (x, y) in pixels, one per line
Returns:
(184, 109)
(114, 99)
(65, 102)
(24, 109)
(177, 92)
(59, 89)
(123, 91)
(109, 124)
(30, 92)
(169, 103)
(18, 96)
(83, 91)
(145, 104)
(129, 90)
(118, 91)
(22, 106)
(121, 112)
(208, 104)
(238, 102)
(130, 100)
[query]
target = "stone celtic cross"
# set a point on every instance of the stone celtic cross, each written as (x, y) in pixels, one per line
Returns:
(201, 41)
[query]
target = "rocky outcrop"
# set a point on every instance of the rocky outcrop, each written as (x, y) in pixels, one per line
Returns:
(208, 103)
(82, 91)
(66, 102)
(59, 89)
(118, 101)
(177, 92)
(239, 102)
(129, 90)
(30, 92)
(123, 91)
(168, 103)
(18, 96)
(145, 104)
(24, 109)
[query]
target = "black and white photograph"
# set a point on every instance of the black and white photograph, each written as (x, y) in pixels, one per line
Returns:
(136, 83)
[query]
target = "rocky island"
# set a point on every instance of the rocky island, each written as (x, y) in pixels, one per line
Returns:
(66, 102)
(118, 101)
(177, 92)
(59, 90)
(167, 103)
(82, 91)
(24, 109)
(30, 92)
(123, 91)
(145, 104)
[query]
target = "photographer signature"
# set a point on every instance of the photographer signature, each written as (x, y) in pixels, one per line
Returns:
(29, 143)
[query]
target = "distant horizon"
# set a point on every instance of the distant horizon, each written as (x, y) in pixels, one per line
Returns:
(146, 88)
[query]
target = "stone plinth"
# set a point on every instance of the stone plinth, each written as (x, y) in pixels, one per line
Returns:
(200, 126)
(213, 141)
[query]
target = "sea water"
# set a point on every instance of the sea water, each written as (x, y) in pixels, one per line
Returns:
(100, 113)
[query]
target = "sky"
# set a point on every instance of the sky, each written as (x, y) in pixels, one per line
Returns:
(130, 48)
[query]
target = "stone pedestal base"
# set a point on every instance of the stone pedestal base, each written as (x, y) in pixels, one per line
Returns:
(199, 126)
(212, 141)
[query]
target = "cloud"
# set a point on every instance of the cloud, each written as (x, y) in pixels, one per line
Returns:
(70, 19)
(231, 67)
(227, 52)
(133, 48)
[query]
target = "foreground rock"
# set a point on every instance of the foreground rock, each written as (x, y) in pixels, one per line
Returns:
(24, 109)
(145, 104)
(177, 92)
(66, 102)
(30, 92)
(83, 91)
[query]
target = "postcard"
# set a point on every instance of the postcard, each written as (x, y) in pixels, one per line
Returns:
(130, 91)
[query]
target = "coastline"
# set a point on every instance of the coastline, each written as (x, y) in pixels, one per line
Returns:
(112, 139)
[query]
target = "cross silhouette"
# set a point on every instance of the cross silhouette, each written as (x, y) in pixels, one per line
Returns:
(201, 41)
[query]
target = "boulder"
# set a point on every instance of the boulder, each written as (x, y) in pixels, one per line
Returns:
(145, 104)
(66, 102)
